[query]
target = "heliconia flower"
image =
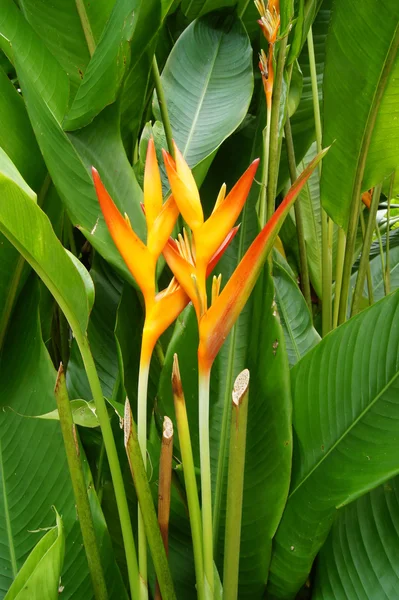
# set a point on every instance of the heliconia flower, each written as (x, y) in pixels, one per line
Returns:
(141, 259)
(164, 307)
(216, 323)
(267, 72)
(269, 18)
(189, 259)
(366, 198)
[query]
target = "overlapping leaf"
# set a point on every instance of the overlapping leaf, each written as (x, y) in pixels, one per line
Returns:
(346, 428)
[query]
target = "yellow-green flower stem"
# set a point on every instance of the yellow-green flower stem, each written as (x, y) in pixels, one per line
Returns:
(235, 486)
(206, 486)
(265, 170)
(275, 145)
(162, 106)
(113, 461)
(142, 439)
(189, 478)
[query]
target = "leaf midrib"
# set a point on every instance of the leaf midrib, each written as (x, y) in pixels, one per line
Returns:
(345, 433)
(201, 100)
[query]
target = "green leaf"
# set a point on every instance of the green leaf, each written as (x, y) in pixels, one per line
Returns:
(30, 231)
(105, 72)
(299, 333)
(83, 413)
(34, 474)
(345, 394)
(16, 135)
(359, 558)
(382, 157)
(208, 85)
(193, 9)
(353, 97)
(33, 468)
(68, 43)
(40, 575)
(19, 41)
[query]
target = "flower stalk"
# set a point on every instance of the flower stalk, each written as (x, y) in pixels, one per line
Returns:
(164, 487)
(71, 444)
(189, 477)
(235, 485)
(153, 534)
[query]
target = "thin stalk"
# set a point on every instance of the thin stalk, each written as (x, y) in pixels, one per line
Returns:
(274, 148)
(338, 273)
(388, 265)
(303, 260)
(189, 476)
(143, 491)
(265, 170)
(368, 270)
(113, 461)
(326, 300)
(364, 259)
(84, 19)
(235, 486)
(206, 486)
(164, 488)
(378, 232)
(162, 106)
(71, 444)
(142, 438)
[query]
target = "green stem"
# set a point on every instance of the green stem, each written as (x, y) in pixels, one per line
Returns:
(143, 491)
(84, 19)
(357, 294)
(162, 106)
(113, 461)
(378, 232)
(142, 438)
(206, 486)
(303, 261)
(368, 270)
(338, 273)
(326, 300)
(274, 149)
(235, 486)
(189, 477)
(79, 487)
(265, 171)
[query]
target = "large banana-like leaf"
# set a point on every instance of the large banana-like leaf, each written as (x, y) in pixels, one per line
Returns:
(208, 84)
(30, 231)
(111, 58)
(360, 556)
(45, 88)
(71, 44)
(358, 83)
(18, 141)
(346, 432)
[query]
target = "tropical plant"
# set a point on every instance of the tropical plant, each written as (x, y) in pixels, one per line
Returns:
(199, 340)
